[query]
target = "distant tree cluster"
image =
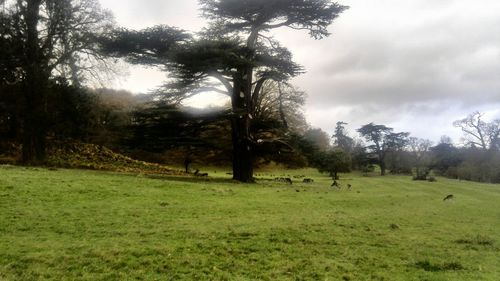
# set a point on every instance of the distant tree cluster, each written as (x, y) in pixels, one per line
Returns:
(477, 160)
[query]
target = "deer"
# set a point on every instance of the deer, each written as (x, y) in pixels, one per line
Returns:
(448, 197)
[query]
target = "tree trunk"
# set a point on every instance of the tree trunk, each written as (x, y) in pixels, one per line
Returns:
(34, 88)
(242, 152)
(34, 127)
(382, 167)
(187, 163)
(241, 125)
(281, 110)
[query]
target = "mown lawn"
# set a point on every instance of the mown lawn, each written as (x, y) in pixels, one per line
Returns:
(85, 225)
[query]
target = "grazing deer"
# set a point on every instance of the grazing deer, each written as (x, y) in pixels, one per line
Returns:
(198, 174)
(448, 197)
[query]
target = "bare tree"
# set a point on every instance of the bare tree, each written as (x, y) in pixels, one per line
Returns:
(282, 102)
(420, 149)
(478, 132)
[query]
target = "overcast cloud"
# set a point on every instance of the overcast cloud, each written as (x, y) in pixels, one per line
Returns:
(415, 65)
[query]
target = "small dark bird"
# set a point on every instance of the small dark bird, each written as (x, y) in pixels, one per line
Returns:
(448, 197)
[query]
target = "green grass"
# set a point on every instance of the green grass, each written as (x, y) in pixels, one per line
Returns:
(88, 225)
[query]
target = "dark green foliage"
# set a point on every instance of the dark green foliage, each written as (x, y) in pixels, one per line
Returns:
(148, 46)
(43, 42)
(479, 160)
(312, 149)
(466, 163)
(204, 56)
(186, 135)
(399, 161)
(360, 158)
(421, 175)
(318, 138)
(445, 157)
(385, 142)
(71, 112)
(285, 149)
(341, 139)
(10, 56)
(312, 15)
(334, 162)
(354, 147)
(11, 105)
(305, 148)
(75, 113)
(478, 165)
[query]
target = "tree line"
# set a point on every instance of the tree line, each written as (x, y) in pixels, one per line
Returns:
(54, 43)
(54, 50)
(477, 159)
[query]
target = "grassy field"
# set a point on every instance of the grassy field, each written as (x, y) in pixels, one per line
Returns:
(85, 225)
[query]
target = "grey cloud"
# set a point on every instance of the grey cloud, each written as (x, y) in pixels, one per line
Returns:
(417, 72)
(415, 64)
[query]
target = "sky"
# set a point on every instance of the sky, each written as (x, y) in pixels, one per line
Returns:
(414, 65)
